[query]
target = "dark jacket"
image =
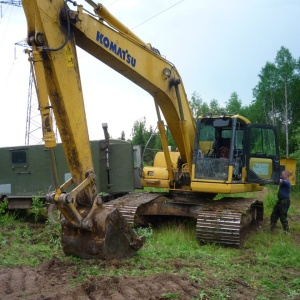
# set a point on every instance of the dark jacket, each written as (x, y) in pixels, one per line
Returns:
(284, 190)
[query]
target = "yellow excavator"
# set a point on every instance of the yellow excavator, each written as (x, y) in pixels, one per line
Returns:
(215, 154)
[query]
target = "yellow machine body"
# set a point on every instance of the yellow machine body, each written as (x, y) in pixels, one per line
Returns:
(89, 228)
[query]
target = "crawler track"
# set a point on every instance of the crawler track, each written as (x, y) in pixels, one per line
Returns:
(129, 204)
(222, 221)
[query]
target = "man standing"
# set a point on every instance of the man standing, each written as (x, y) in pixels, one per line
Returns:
(283, 203)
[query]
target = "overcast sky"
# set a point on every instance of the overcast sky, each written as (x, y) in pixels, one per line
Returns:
(218, 47)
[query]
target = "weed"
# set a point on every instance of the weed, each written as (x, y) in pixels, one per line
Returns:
(23, 233)
(220, 293)
(3, 207)
(154, 190)
(36, 207)
(146, 232)
(75, 281)
(261, 297)
(53, 227)
(3, 242)
(293, 294)
(270, 199)
(91, 270)
(202, 296)
(7, 219)
(170, 296)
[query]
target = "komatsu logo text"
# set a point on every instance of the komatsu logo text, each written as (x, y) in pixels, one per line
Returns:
(123, 54)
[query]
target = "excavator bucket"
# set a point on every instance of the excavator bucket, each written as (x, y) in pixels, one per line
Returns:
(111, 236)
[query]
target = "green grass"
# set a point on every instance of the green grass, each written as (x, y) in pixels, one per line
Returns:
(268, 263)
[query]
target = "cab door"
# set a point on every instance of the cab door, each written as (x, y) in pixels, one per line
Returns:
(262, 154)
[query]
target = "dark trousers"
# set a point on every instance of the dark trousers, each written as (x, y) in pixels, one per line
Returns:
(280, 211)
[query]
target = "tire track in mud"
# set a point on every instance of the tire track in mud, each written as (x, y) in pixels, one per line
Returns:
(153, 287)
(51, 281)
(16, 282)
(34, 283)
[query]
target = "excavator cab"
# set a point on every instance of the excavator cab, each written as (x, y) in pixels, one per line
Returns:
(230, 149)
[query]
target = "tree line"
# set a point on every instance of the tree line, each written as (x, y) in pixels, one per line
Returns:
(276, 101)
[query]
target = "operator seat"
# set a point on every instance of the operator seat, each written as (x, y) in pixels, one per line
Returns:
(224, 148)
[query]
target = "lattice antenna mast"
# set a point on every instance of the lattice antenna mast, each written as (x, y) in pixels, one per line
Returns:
(33, 117)
(33, 131)
(33, 123)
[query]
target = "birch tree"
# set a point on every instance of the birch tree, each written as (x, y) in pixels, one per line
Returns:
(286, 68)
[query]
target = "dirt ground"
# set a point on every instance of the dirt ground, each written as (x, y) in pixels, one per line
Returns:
(50, 280)
(55, 279)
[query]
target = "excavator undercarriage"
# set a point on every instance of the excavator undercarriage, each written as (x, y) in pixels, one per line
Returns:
(217, 221)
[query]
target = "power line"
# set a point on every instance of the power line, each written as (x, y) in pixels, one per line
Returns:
(157, 14)
(12, 2)
(113, 3)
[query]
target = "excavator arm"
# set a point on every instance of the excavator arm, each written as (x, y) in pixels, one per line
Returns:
(90, 230)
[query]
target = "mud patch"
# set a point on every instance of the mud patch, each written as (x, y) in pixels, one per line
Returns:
(53, 280)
